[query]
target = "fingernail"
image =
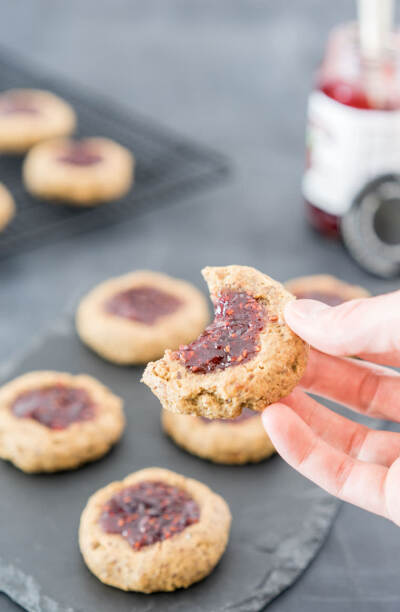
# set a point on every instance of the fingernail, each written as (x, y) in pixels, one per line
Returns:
(305, 309)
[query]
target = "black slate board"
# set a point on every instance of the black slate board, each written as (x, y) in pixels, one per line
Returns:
(168, 165)
(280, 520)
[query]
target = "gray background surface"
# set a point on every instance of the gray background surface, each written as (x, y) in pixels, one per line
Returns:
(235, 75)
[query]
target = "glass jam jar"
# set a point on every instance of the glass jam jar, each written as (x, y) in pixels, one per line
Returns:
(353, 127)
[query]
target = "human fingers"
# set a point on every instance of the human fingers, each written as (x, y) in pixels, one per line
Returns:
(364, 387)
(350, 479)
(353, 439)
(368, 326)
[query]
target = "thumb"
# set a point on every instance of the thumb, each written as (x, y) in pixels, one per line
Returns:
(369, 326)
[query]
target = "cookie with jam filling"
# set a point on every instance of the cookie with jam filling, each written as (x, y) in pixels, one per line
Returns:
(51, 421)
(79, 172)
(227, 441)
(325, 288)
(29, 116)
(7, 207)
(154, 531)
(247, 357)
(134, 318)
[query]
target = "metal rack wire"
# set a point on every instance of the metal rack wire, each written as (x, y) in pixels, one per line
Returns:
(168, 166)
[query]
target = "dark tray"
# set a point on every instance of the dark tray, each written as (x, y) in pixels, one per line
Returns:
(280, 520)
(168, 165)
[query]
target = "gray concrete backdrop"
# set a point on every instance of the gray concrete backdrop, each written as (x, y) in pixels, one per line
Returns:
(233, 74)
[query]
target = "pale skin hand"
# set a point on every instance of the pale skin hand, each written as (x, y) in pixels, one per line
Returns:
(353, 462)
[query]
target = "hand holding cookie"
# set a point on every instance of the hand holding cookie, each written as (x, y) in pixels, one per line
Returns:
(351, 461)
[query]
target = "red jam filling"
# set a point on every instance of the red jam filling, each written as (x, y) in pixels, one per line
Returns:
(80, 154)
(149, 512)
(323, 222)
(247, 413)
(231, 339)
(331, 299)
(143, 304)
(55, 407)
(11, 104)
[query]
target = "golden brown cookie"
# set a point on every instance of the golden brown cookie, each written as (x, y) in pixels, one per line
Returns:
(7, 207)
(135, 317)
(52, 421)
(169, 542)
(81, 173)
(229, 441)
(248, 356)
(325, 288)
(28, 116)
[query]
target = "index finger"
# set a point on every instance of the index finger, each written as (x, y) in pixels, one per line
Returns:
(369, 326)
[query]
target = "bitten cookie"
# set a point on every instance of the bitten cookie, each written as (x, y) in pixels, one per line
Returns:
(325, 288)
(248, 356)
(28, 116)
(52, 421)
(154, 531)
(135, 317)
(7, 207)
(229, 441)
(82, 173)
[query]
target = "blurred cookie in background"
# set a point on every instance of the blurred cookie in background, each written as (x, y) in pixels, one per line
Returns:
(28, 116)
(51, 421)
(325, 288)
(228, 441)
(82, 173)
(134, 318)
(7, 207)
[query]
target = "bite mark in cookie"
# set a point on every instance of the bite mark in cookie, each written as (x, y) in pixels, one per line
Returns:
(248, 357)
(245, 414)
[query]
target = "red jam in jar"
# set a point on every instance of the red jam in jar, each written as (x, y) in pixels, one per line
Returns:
(149, 512)
(353, 127)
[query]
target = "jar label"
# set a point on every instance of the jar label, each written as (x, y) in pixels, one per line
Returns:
(346, 147)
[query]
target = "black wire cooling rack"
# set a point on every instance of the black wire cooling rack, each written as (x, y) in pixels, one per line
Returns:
(168, 166)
